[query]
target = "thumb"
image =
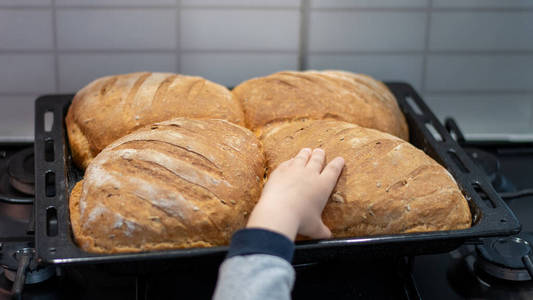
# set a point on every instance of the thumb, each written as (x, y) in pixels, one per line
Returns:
(321, 232)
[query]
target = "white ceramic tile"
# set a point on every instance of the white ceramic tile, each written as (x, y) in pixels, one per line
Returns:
(27, 73)
(25, 2)
(116, 29)
(26, 29)
(242, 3)
(239, 29)
(17, 118)
(482, 3)
(231, 69)
(479, 72)
(132, 3)
(485, 113)
(481, 31)
(77, 70)
(406, 68)
(367, 3)
(368, 31)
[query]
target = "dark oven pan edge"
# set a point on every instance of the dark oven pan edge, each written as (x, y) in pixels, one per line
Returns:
(55, 244)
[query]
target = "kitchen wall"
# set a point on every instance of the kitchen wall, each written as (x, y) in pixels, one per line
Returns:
(472, 59)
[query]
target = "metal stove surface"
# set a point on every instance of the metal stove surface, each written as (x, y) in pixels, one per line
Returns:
(462, 273)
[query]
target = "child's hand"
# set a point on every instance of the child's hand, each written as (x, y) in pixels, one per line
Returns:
(295, 195)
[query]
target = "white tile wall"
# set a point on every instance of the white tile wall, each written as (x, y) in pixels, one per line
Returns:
(134, 3)
(26, 29)
(479, 73)
(27, 73)
(367, 3)
(17, 121)
(241, 3)
(208, 29)
(469, 58)
(230, 68)
(483, 3)
(25, 2)
(481, 31)
(77, 70)
(366, 31)
(406, 68)
(479, 114)
(116, 29)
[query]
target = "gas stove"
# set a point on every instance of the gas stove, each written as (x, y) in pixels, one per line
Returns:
(489, 268)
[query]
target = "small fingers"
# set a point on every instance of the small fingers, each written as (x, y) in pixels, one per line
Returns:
(285, 164)
(316, 162)
(333, 170)
(302, 157)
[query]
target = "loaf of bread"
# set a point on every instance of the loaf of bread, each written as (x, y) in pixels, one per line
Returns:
(179, 183)
(113, 106)
(387, 185)
(339, 95)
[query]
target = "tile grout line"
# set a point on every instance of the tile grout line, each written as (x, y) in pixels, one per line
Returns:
(423, 8)
(257, 51)
(237, 7)
(178, 37)
(54, 39)
(303, 38)
(426, 46)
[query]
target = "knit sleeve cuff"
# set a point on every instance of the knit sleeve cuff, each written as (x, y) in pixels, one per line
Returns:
(261, 241)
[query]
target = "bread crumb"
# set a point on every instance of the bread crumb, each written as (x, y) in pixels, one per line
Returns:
(378, 184)
(337, 198)
(195, 208)
(233, 201)
(407, 207)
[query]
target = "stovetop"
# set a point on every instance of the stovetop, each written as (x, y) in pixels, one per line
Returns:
(460, 274)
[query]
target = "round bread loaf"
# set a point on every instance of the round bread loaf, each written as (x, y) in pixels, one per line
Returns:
(113, 106)
(180, 183)
(339, 95)
(387, 185)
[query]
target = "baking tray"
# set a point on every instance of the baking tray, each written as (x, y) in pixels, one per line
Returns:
(55, 176)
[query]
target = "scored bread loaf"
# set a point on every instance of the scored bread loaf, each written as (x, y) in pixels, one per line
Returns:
(113, 106)
(175, 184)
(387, 185)
(339, 95)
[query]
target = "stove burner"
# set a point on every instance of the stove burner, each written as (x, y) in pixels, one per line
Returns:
(16, 176)
(490, 164)
(21, 171)
(32, 277)
(507, 258)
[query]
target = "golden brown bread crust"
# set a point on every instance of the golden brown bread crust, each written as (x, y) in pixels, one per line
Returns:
(339, 95)
(113, 106)
(175, 184)
(387, 185)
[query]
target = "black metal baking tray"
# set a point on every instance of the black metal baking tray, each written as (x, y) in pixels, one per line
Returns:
(55, 175)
